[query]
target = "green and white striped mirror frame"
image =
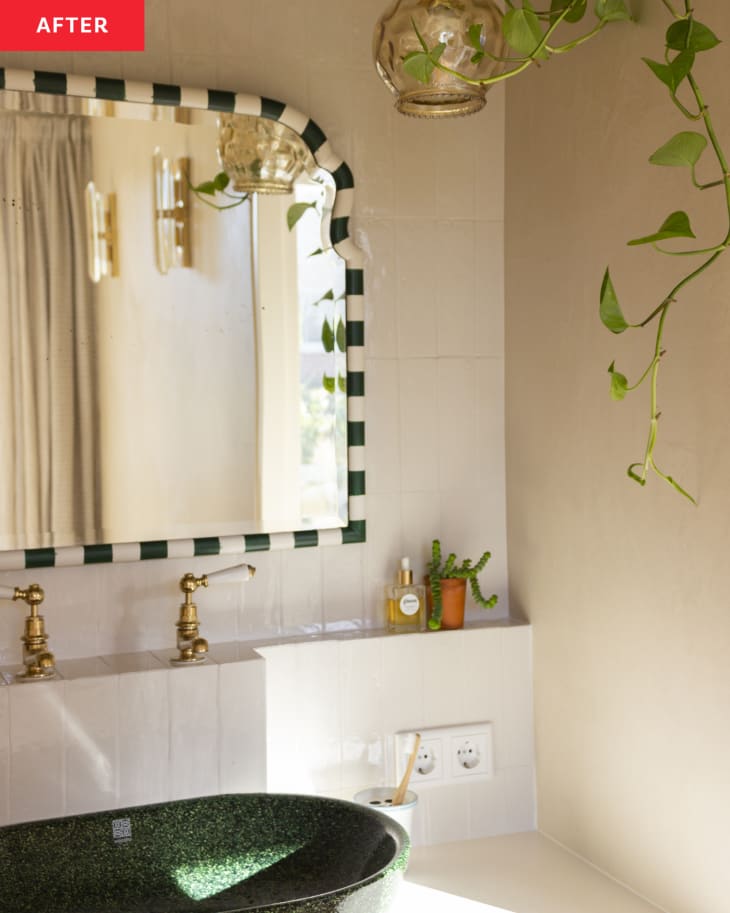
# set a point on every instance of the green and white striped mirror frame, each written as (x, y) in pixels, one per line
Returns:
(107, 89)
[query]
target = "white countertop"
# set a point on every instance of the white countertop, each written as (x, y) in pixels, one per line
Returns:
(520, 873)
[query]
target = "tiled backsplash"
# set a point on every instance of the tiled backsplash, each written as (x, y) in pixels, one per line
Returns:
(334, 705)
(131, 731)
(315, 716)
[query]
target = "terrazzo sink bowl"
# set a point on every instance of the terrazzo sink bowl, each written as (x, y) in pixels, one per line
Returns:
(268, 853)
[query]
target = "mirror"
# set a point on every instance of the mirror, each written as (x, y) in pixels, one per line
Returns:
(183, 359)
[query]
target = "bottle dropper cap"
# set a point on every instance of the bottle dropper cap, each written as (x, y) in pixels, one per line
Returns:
(405, 574)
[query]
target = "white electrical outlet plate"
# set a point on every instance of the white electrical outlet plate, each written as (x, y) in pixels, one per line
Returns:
(430, 761)
(447, 753)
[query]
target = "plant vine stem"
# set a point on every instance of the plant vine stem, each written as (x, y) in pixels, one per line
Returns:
(654, 399)
(687, 113)
(689, 253)
(501, 77)
(663, 309)
(671, 9)
(563, 48)
(709, 126)
(220, 208)
(710, 185)
(643, 377)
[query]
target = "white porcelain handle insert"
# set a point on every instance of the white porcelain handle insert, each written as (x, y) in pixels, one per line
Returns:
(239, 573)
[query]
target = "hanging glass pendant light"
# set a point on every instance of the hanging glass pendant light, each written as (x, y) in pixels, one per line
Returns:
(260, 155)
(444, 22)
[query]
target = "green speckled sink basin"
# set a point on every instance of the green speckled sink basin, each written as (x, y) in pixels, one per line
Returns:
(221, 854)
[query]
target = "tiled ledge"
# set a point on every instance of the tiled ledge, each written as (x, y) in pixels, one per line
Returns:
(122, 663)
(223, 653)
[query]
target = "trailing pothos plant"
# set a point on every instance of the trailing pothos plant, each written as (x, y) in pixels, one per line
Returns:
(530, 32)
(450, 569)
(684, 40)
(209, 192)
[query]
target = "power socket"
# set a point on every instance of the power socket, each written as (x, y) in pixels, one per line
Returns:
(447, 753)
(429, 764)
(471, 755)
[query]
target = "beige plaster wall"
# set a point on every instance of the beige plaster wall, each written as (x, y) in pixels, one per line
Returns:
(627, 587)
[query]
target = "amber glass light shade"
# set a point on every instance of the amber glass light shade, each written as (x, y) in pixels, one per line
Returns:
(446, 21)
(260, 155)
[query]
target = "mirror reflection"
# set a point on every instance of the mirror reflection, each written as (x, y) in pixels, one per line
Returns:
(173, 362)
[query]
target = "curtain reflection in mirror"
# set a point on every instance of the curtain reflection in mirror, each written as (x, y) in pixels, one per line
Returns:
(48, 405)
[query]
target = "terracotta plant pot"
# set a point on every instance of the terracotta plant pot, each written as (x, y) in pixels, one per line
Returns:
(453, 600)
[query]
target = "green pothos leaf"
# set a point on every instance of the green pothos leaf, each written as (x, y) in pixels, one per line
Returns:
(612, 10)
(673, 73)
(610, 311)
(342, 383)
(690, 35)
(207, 187)
(328, 383)
(341, 335)
(522, 31)
(475, 40)
(328, 336)
(210, 188)
(419, 65)
(619, 383)
(329, 295)
(296, 211)
(576, 13)
(676, 225)
(682, 150)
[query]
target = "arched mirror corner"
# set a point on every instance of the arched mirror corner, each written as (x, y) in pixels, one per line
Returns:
(183, 364)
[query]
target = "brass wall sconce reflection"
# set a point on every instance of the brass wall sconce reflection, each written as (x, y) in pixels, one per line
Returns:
(101, 234)
(172, 212)
(192, 648)
(39, 663)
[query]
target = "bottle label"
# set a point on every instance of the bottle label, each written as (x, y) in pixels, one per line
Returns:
(409, 604)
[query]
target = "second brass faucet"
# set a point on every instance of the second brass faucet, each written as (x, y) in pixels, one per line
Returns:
(192, 648)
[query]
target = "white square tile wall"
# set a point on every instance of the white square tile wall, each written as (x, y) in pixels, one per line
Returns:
(429, 217)
(334, 708)
(113, 740)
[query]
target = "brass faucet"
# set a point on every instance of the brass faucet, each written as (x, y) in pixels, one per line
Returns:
(39, 662)
(191, 646)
